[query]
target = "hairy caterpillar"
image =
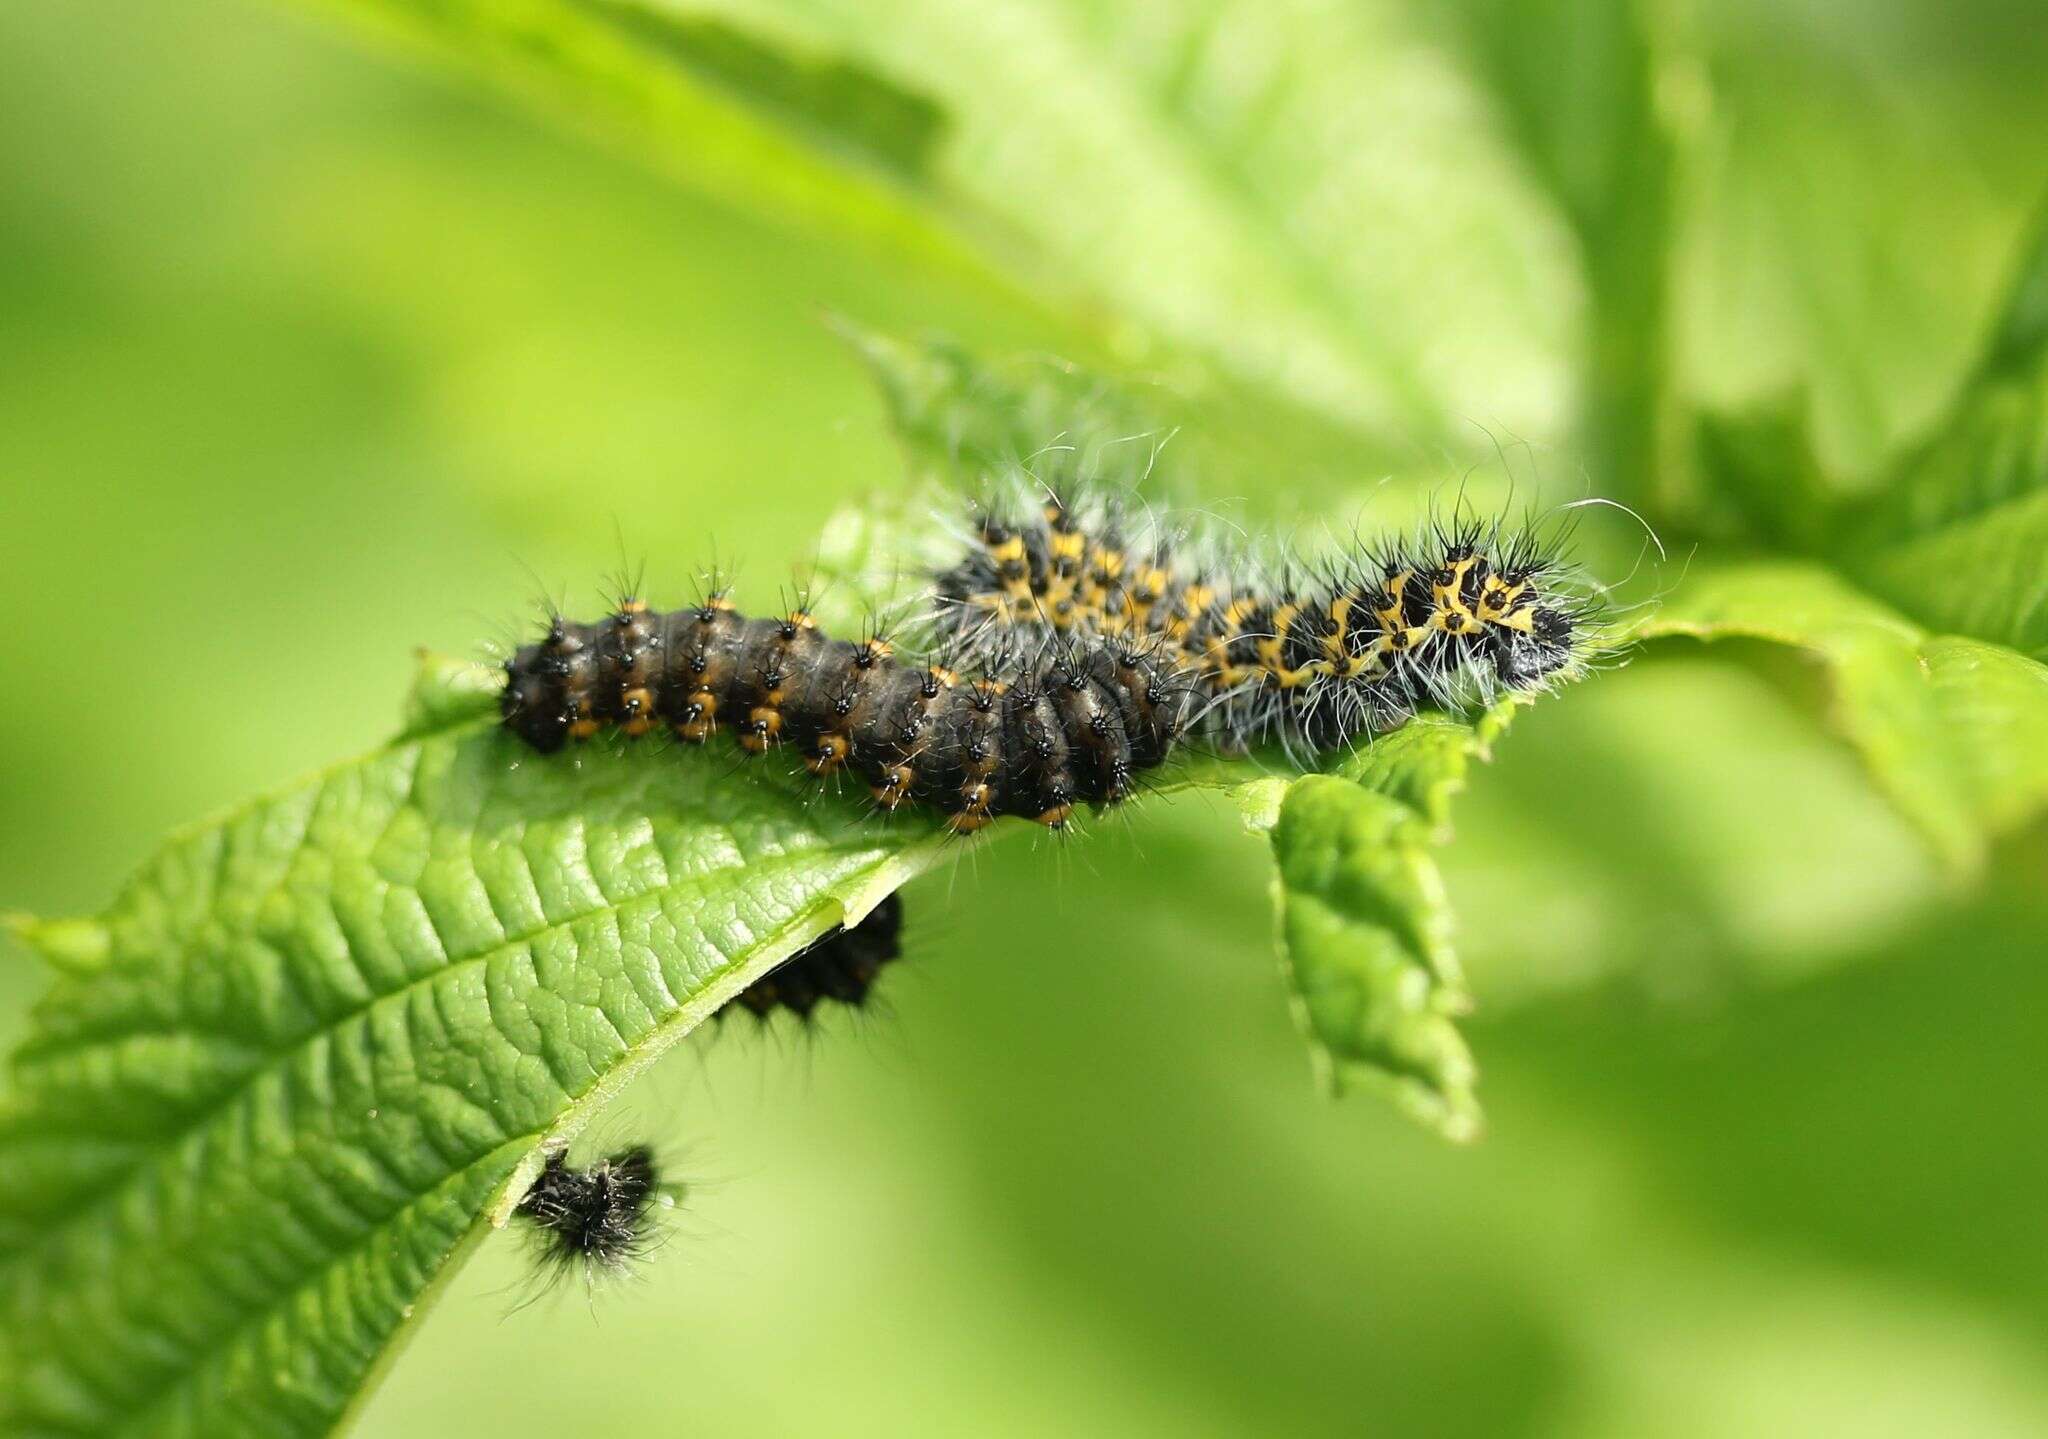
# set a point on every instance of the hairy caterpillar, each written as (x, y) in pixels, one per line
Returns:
(1310, 657)
(1065, 660)
(598, 1219)
(839, 967)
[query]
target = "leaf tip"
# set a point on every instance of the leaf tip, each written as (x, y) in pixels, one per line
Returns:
(1444, 1103)
(447, 690)
(74, 946)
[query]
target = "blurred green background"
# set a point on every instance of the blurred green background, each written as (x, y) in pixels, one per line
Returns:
(308, 358)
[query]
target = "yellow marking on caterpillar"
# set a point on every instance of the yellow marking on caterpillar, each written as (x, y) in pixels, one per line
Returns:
(831, 754)
(1269, 647)
(1448, 601)
(1107, 562)
(1100, 577)
(1294, 679)
(978, 797)
(1340, 618)
(1451, 616)
(1146, 593)
(1216, 653)
(1272, 654)
(765, 724)
(1389, 616)
(638, 705)
(699, 726)
(894, 788)
(1497, 597)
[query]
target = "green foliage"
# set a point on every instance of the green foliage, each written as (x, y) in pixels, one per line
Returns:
(317, 1045)
(1953, 729)
(1928, 599)
(1365, 926)
(314, 1040)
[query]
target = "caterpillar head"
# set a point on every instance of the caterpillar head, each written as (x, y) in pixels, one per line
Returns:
(533, 708)
(1524, 659)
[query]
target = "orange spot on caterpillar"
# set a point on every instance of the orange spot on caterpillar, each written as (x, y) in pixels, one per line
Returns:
(830, 754)
(637, 707)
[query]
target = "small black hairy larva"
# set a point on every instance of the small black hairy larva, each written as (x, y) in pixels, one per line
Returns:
(839, 967)
(596, 1220)
(599, 1220)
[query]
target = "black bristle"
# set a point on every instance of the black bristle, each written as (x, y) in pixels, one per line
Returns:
(597, 1220)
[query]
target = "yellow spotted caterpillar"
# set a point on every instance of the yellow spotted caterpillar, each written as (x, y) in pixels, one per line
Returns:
(1074, 647)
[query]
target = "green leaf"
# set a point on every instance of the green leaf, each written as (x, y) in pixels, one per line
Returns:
(837, 104)
(1765, 481)
(1929, 599)
(1973, 558)
(1326, 216)
(282, 1082)
(1424, 764)
(1953, 729)
(807, 137)
(963, 418)
(1846, 217)
(1364, 924)
(2019, 341)
(1577, 82)
(1958, 532)
(1365, 941)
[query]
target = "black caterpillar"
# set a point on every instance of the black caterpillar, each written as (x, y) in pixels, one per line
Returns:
(1067, 661)
(599, 1219)
(839, 967)
(596, 1220)
(1312, 657)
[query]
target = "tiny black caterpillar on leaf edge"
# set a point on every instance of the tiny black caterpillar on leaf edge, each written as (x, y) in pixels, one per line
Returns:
(599, 1219)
